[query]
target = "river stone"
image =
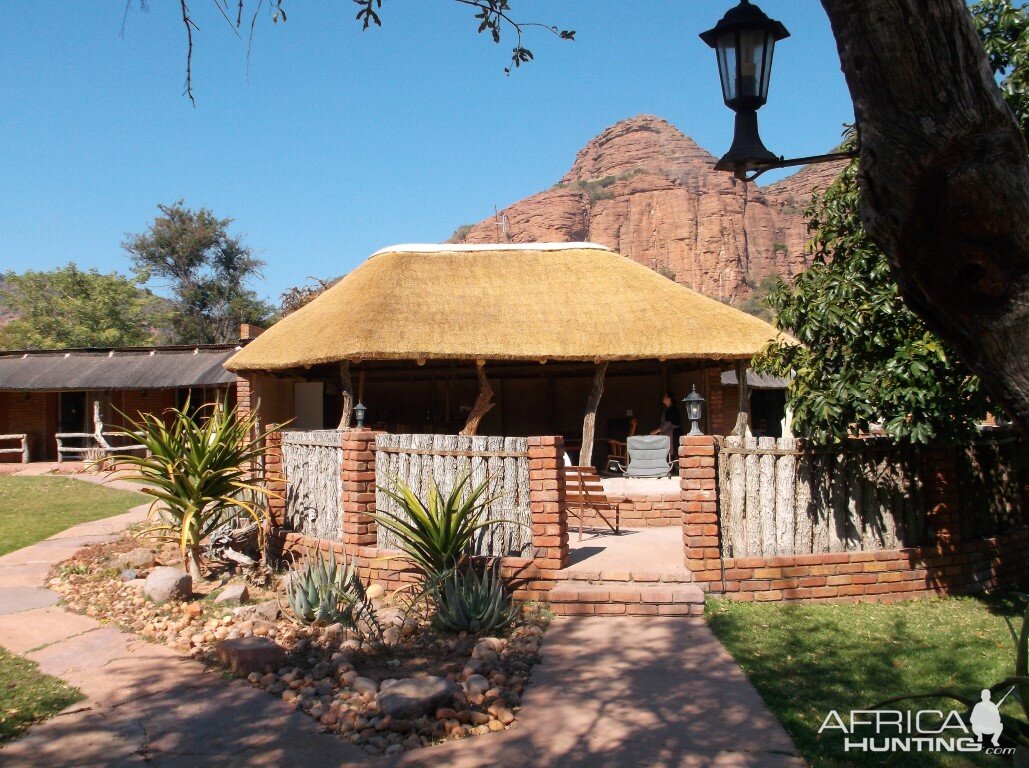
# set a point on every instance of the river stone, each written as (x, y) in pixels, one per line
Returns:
(476, 685)
(139, 558)
(244, 655)
(166, 583)
(415, 696)
(234, 593)
(268, 610)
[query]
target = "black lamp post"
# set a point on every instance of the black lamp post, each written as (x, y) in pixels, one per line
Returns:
(359, 411)
(694, 410)
(744, 41)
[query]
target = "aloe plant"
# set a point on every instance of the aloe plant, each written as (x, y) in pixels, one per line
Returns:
(436, 536)
(199, 468)
(322, 590)
(468, 602)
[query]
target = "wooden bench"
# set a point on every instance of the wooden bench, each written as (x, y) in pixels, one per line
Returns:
(584, 491)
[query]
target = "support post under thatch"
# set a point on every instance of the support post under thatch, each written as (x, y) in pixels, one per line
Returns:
(346, 390)
(483, 403)
(742, 427)
(589, 421)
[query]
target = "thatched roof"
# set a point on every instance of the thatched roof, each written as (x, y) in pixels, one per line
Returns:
(555, 301)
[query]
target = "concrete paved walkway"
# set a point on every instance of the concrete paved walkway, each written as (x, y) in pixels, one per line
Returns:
(609, 692)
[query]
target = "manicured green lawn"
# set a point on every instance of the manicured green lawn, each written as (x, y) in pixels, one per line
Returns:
(33, 508)
(27, 696)
(808, 659)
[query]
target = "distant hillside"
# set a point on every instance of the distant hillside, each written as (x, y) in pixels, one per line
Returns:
(647, 190)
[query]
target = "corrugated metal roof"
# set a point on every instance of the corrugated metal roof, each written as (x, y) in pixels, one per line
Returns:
(137, 368)
(754, 380)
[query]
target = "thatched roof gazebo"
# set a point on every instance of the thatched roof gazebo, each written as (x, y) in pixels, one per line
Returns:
(523, 305)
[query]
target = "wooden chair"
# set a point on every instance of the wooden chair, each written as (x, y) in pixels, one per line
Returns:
(584, 491)
(618, 450)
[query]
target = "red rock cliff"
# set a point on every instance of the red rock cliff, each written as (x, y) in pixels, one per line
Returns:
(647, 190)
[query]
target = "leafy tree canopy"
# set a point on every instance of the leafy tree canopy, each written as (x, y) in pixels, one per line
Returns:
(205, 269)
(865, 357)
(67, 307)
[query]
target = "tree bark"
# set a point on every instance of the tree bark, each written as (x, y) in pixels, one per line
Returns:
(944, 179)
(483, 403)
(346, 389)
(589, 421)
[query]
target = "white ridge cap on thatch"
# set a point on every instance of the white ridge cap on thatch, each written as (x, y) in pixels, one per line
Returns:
(560, 301)
(472, 247)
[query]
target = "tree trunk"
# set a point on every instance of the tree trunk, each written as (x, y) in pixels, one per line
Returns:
(193, 563)
(483, 403)
(944, 179)
(346, 389)
(589, 421)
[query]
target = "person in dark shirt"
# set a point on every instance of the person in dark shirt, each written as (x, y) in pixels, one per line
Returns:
(671, 422)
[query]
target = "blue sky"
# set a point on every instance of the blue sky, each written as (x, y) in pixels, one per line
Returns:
(336, 142)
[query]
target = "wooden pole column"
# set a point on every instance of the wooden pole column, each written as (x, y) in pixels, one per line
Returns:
(742, 428)
(483, 403)
(346, 389)
(589, 421)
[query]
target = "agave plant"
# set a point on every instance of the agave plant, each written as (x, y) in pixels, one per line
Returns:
(437, 536)
(199, 467)
(468, 602)
(321, 590)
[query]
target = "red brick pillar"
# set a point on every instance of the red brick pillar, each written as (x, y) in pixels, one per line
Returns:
(359, 530)
(244, 395)
(700, 523)
(274, 479)
(939, 472)
(547, 502)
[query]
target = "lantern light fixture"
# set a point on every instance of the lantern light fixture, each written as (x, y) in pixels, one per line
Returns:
(744, 41)
(694, 410)
(359, 411)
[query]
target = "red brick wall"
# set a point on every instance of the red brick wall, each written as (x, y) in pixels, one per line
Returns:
(636, 511)
(899, 574)
(31, 413)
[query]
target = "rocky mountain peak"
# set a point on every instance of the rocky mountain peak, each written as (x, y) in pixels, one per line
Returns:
(642, 143)
(650, 192)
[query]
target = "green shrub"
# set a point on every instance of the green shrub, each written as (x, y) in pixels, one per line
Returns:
(468, 602)
(199, 469)
(437, 536)
(321, 590)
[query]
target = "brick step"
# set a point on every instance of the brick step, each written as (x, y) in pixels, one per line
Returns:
(671, 576)
(619, 598)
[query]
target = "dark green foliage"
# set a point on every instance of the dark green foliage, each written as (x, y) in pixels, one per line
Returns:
(198, 469)
(67, 307)
(469, 602)
(321, 590)
(436, 536)
(757, 303)
(1004, 30)
(865, 356)
(206, 270)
